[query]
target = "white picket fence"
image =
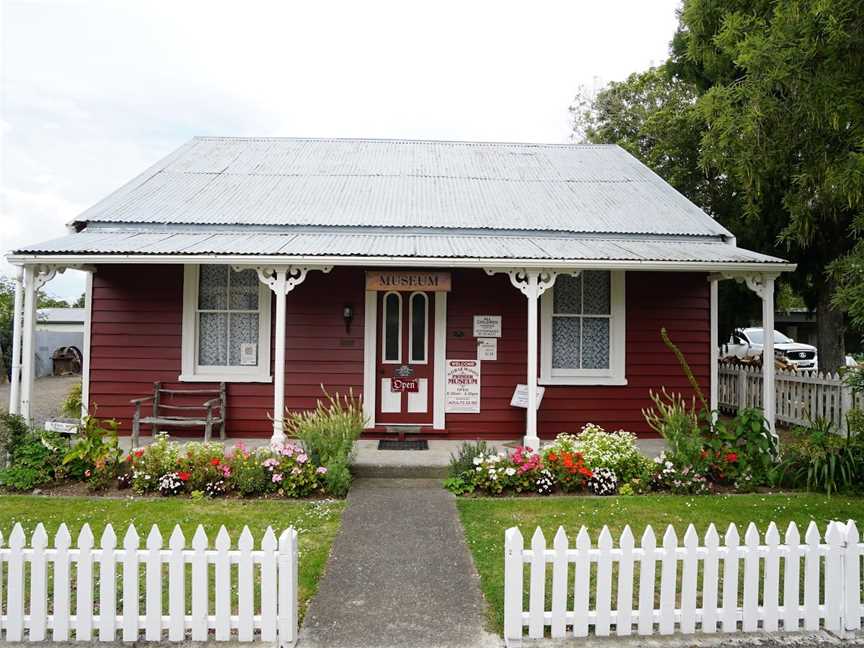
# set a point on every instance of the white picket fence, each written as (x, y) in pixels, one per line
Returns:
(709, 587)
(51, 590)
(801, 396)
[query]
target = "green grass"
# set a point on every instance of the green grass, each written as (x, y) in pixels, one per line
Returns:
(486, 519)
(316, 521)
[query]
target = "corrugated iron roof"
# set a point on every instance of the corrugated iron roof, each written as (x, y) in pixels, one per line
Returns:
(500, 245)
(401, 183)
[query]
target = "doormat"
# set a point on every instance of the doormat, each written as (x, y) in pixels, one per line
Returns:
(407, 444)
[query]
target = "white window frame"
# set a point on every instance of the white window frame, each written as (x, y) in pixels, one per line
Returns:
(425, 359)
(191, 371)
(384, 359)
(614, 375)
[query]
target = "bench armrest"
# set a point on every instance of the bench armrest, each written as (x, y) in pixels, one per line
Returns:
(139, 401)
(212, 402)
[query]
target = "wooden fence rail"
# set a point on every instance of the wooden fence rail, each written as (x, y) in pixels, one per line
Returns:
(187, 593)
(801, 396)
(710, 586)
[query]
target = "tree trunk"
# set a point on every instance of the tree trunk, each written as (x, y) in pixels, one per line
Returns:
(829, 331)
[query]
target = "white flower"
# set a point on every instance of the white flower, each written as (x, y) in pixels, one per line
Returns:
(478, 461)
(510, 472)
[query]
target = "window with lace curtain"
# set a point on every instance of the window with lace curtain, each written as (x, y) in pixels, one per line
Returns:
(582, 329)
(226, 325)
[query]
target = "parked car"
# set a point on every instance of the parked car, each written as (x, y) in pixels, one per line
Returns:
(748, 342)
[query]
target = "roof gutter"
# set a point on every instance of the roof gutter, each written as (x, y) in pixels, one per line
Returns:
(390, 261)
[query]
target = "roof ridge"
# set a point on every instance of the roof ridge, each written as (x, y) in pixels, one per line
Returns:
(397, 140)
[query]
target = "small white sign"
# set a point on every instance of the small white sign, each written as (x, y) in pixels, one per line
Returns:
(520, 396)
(487, 326)
(61, 427)
(462, 393)
(487, 348)
(248, 353)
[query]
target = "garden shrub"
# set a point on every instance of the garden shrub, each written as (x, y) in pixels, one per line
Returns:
(95, 455)
(820, 460)
(603, 481)
(35, 459)
(463, 460)
(13, 428)
(616, 451)
(72, 404)
(328, 434)
(743, 451)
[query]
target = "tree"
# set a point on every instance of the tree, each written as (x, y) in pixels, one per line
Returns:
(757, 118)
(784, 106)
(81, 301)
(655, 116)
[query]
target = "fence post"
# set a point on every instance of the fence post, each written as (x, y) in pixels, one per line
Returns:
(834, 595)
(288, 588)
(513, 583)
(742, 387)
(852, 581)
(845, 406)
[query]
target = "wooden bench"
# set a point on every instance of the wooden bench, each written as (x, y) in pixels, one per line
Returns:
(206, 415)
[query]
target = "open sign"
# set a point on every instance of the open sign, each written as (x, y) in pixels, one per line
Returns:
(400, 385)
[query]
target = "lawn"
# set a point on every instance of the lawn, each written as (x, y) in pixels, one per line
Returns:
(316, 521)
(486, 519)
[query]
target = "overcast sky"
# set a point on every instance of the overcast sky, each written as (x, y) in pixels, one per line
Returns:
(95, 91)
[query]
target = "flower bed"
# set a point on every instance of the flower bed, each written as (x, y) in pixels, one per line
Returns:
(593, 461)
(168, 468)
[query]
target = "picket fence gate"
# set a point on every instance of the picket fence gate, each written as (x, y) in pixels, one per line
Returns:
(39, 583)
(801, 397)
(709, 587)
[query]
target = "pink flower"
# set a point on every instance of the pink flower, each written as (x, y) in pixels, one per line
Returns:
(226, 470)
(270, 463)
(277, 477)
(302, 458)
(321, 470)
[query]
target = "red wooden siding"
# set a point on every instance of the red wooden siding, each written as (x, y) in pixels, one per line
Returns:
(136, 331)
(678, 301)
(136, 340)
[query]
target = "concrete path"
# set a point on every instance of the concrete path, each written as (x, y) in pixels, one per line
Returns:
(400, 573)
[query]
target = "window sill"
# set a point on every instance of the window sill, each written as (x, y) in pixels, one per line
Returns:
(583, 380)
(228, 378)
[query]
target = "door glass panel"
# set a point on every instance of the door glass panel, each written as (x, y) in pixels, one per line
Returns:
(418, 327)
(392, 324)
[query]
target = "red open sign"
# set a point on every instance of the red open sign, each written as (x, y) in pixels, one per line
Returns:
(399, 385)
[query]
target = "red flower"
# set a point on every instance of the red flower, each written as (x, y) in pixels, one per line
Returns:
(184, 476)
(128, 457)
(704, 454)
(552, 457)
(139, 453)
(215, 461)
(731, 457)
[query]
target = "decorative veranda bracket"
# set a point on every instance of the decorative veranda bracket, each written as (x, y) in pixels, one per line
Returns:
(43, 273)
(291, 276)
(523, 278)
(758, 282)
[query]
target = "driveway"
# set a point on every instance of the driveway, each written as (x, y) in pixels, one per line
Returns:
(48, 394)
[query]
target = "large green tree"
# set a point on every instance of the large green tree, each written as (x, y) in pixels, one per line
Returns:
(775, 119)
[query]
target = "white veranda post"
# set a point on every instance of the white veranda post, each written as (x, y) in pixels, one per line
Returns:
(15, 375)
(532, 283)
(763, 285)
(282, 280)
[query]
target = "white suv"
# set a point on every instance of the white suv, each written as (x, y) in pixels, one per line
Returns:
(748, 342)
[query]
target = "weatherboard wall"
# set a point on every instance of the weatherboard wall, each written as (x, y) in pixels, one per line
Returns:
(136, 340)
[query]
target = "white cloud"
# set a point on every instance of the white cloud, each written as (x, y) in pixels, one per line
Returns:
(95, 91)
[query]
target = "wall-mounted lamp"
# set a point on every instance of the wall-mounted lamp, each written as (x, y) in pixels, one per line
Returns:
(348, 315)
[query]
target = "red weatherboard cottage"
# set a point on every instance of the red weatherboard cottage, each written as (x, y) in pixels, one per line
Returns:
(399, 269)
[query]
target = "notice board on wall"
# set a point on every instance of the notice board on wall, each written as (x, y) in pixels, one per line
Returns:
(462, 390)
